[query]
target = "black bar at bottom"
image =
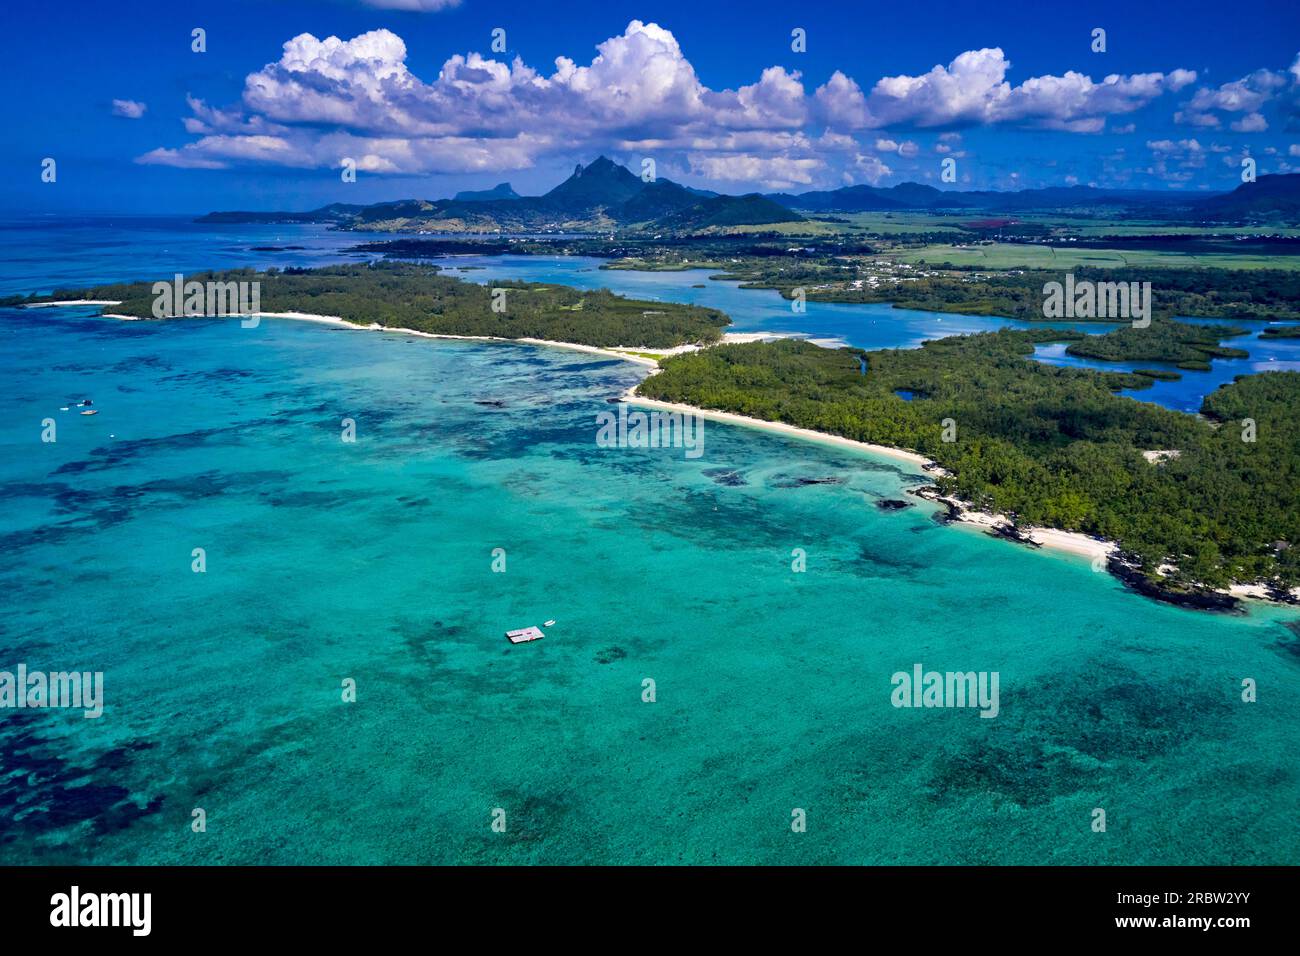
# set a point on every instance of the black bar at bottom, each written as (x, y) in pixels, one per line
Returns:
(333, 904)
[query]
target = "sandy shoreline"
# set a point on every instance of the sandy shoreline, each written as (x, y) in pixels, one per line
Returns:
(339, 322)
(335, 320)
(1072, 542)
(47, 305)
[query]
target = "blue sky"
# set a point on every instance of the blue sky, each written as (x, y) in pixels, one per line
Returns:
(713, 92)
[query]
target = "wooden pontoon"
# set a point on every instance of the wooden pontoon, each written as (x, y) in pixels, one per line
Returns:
(524, 635)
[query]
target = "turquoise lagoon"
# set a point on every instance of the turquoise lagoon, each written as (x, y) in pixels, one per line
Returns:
(373, 561)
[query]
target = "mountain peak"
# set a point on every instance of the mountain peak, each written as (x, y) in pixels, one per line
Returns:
(601, 183)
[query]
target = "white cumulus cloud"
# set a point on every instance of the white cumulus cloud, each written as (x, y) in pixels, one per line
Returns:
(973, 89)
(130, 109)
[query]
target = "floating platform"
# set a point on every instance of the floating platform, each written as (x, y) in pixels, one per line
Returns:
(524, 635)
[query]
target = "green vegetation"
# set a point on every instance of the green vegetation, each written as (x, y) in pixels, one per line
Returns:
(1188, 346)
(1063, 256)
(1282, 332)
(1200, 292)
(1051, 446)
(405, 295)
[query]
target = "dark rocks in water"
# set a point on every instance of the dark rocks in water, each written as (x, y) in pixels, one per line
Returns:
(609, 655)
(802, 482)
(613, 401)
(1199, 600)
(1291, 645)
(1009, 532)
(892, 504)
(1281, 594)
(492, 402)
(932, 493)
(52, 793)
(728, 477)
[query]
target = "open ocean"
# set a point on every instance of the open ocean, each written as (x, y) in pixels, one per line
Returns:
(373, 561)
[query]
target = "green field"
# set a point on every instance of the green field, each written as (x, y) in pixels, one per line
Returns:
(807, 228)
(1004, 255)
(916, 223)
(897, 223)
(1090, 226)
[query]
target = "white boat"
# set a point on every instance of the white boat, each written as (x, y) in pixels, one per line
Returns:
(548, 624)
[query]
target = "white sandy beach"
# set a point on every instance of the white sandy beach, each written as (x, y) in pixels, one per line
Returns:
(340, 322)
(375, 327)
(1072, 541)
(1052, 538)
(1256, 592)
(48, 305)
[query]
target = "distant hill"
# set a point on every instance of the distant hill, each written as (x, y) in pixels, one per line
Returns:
(720, 212)
(335, 212)
(499, 191)
(875, 199)
(1268, 199)
(390, 211)
(848, 199)
(921, 197)
(657, 199)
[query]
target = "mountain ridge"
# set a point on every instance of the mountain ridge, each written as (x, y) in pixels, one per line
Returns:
(499, 191)
(603, 195)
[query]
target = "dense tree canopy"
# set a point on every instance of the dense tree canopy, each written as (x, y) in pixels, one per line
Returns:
(414, 296)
